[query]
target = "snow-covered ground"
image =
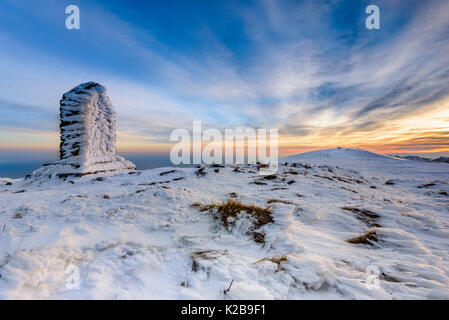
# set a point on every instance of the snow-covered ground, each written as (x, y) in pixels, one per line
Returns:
(137, 235)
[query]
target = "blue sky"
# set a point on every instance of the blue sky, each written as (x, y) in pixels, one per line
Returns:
(309, 68)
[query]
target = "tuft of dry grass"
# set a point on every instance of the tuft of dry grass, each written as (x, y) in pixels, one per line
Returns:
(201, 172)
(229, 288)
(274, 259)
(262, 165)
(228, 211)
(231, 208)
(208, 254)
(366, 216)
(259, 237)
(305, 165)
(18, 215)
(368, 238)
(259, 183)
(279, 201)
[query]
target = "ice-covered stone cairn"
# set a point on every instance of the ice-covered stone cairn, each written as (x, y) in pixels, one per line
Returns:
(87, 135)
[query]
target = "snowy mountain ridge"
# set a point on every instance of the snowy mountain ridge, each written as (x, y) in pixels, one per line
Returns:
(313, 230)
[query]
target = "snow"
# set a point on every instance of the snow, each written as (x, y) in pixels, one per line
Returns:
(135, 234)
(87, 135)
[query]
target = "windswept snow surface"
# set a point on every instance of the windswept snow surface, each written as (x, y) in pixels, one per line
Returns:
(137, 235)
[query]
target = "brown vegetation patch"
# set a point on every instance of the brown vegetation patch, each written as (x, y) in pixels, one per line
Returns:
(228, 211)
(275, 259)
(259, 183)
(366, 216)
(368, 238)
(259, 237)
(18, 215)
(279, 201)
(200, 172)
(208, 254)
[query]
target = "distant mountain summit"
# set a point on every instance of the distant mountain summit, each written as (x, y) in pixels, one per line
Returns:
(417, 158)
(366, 162)
(441, 159)
(338, 154)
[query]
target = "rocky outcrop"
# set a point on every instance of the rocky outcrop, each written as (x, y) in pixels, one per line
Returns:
(87, 135)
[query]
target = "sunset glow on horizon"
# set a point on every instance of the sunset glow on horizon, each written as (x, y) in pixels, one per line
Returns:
(313, 71)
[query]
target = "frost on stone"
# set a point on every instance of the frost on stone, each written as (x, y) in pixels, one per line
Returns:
(87, 135)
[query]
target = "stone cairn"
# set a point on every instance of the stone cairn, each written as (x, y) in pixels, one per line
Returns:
(87, 135)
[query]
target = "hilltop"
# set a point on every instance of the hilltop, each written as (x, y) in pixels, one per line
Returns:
(315, 229)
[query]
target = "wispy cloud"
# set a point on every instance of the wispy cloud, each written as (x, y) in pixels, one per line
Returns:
(309, 68)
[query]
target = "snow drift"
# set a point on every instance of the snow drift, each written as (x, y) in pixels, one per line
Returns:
(150, 234)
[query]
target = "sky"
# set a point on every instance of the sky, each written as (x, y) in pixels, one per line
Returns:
(310, 69)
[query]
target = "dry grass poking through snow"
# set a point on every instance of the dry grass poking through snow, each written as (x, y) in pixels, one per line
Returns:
(271, 201)
(366, 216)
(276, 260)
(368, 238)
(228, 211)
